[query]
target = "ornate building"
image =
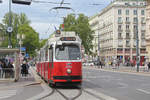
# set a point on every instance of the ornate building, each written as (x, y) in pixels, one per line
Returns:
(148, 29)
(117, 30)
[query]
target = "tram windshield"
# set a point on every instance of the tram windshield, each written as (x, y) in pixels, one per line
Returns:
(68, 52)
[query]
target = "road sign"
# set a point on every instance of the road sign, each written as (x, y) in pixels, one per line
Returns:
(9, 29)
(23, 49)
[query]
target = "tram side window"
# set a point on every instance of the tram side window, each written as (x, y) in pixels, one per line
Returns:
(46, 53)
(51, 55)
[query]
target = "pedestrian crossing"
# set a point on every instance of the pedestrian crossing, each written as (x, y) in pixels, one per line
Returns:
(7, 93)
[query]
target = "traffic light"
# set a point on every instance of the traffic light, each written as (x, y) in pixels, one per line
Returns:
(24, 2)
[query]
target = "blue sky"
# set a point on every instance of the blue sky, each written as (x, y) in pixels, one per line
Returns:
(43, 20)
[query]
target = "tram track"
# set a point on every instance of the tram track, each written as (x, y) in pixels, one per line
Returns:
(59, 91)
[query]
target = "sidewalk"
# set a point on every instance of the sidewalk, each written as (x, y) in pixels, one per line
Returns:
(24, 89)
(128, 69)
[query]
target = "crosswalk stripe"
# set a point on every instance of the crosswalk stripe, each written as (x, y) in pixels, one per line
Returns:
(7, 93)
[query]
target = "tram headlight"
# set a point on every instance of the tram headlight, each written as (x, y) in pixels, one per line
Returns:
(69, 71)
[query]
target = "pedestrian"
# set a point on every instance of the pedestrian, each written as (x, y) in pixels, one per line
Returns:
(24, 69)
(11, 69)
(148, 66)
(101, 65)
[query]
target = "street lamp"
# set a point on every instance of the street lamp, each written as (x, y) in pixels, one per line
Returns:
(137, 38)
(20, 37)
(9, 28)
(98, 45)
(137, 41)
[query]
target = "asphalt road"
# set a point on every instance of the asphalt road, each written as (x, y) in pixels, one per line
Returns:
(97, 85)
(121, 86)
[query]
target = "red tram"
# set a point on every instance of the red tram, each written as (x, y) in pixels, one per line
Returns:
(59, 60)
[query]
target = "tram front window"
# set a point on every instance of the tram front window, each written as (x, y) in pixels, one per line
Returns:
(68, 52)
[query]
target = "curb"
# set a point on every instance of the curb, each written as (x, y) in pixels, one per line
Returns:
(125, 72)
(45, 87)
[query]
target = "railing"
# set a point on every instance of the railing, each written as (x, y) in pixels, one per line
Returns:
(7, 73)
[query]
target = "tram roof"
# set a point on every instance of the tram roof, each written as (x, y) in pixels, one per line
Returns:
(57, 37)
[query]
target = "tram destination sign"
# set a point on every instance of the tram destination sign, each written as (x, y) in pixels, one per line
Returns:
(68, 39)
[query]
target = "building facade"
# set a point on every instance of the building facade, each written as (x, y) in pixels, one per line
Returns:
(117, 31)
(148, 29)
(94, 23)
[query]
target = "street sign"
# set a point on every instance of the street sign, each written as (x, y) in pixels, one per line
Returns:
(24, 2)
(23, 49)
(9, 29)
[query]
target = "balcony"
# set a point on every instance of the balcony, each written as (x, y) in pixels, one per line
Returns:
(120, 22)
(127, 22)
(120, 37)
(128, 37)
(127, 45)
(120, 30)
(143, 22)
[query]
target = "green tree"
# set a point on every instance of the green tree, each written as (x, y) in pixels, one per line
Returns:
(42, 43)
(16, 21)
(81, 26)
(31, 41)
(20, 24)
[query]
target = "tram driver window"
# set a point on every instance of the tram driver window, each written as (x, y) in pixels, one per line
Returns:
(68, 52)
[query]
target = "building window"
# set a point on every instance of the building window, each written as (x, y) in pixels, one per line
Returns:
(143, 27)
(119, 27)
(127, 35)
(143, 35)
(135, 12)
(127, 27)
(133, 4)
(127, 12)
(127, 19)
(119, 12)
(142, 12)
(142, 19)
(141, 4)
(127, 42)
(135, 20)
(119, 20)
(119, 35)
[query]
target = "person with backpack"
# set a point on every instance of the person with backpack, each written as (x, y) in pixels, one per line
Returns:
(24, 69)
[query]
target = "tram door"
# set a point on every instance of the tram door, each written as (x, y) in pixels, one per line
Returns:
(50, 62)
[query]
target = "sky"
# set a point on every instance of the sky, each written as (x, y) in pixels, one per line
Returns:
(43, 18)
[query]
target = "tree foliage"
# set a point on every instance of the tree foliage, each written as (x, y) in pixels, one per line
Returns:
(81, 26)
(31, 41)
(20, 24)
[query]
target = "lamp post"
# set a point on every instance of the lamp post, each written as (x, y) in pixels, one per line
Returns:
(9, 28)
(137, 41)
(98, 45)
(20, 37)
